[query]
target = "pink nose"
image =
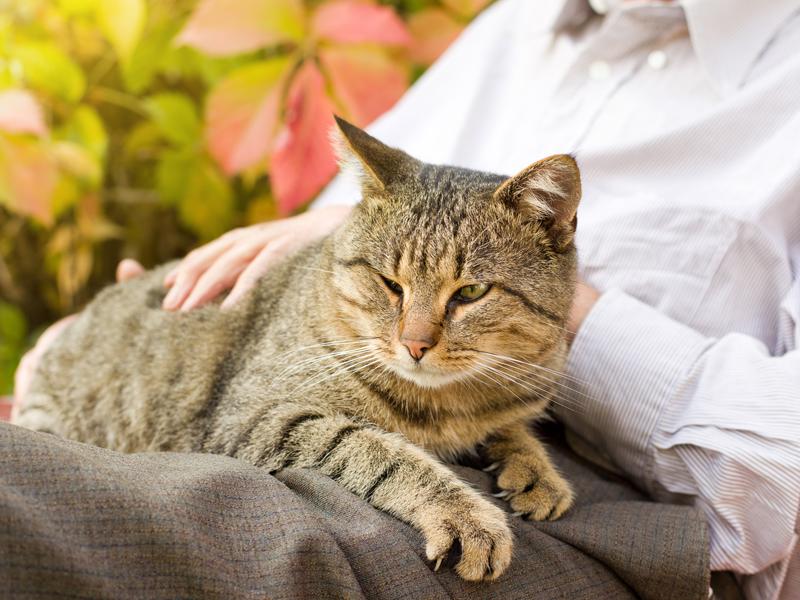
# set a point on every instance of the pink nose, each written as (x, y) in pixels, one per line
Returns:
(417, 348)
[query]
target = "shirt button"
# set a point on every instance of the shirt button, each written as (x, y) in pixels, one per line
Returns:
(657, 59)
(599, 69)
(599, 6)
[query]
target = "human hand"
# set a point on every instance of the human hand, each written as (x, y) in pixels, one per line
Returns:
(582, 303)
(239, 258)
(127, 269)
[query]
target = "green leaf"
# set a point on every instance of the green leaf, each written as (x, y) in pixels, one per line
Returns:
(85, 128)
(79, 162)
(47, 68)
(77, 7)
(207, 205)
(122, 22)
(13, 325)
(148, 57)
(175, 116)
(201, 194)
(172, 174)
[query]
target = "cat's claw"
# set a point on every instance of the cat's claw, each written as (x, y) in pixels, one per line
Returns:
(491, 467)
(481, 530)
(502, 494)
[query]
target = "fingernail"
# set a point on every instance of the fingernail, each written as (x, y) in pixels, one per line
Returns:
(229, 302)
(170, 300)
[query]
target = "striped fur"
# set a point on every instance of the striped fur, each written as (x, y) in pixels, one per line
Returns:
(309, 371)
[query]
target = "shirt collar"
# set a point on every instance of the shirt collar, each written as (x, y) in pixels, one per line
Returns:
(728, 36)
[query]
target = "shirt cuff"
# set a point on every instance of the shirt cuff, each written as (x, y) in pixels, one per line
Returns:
(628, 360)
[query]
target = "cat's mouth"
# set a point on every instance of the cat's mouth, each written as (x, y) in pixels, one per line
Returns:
(425, 375)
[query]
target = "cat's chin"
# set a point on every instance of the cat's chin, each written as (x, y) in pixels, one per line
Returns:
(426, 377)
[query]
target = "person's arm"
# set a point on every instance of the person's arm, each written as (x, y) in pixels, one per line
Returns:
(688, 418)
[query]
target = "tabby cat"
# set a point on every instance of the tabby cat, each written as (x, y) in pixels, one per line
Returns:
(429, 323)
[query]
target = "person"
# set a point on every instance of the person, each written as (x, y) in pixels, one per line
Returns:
(684, 370)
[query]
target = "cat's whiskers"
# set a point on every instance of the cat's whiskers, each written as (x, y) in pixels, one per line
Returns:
(348, 366)
(560, 374)
(482, 370)
(343, 341)
(312, 362)
(552, 393)
(315, 269)
(539, 377)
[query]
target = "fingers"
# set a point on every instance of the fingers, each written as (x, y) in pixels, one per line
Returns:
(257, 268)
(211, 269)
(128, 269)
(183, 278)
(222, 275)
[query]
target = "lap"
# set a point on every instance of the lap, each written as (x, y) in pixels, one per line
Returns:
(92, 522)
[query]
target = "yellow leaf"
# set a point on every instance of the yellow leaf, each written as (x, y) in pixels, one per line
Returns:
(122, 21)
(261, 209)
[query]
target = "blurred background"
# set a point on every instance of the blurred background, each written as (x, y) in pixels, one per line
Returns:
(142, 128)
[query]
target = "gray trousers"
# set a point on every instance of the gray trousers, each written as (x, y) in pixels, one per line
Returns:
(83, 522)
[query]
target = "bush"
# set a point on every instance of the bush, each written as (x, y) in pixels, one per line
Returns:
(142, 128)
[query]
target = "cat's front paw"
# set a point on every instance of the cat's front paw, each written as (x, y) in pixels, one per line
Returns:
(481, 529)
(534, 491)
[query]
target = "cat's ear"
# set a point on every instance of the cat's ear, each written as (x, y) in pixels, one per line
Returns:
(374, 164)
(548, 191)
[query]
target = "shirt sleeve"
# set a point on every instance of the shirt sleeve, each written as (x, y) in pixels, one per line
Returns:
(715, 422)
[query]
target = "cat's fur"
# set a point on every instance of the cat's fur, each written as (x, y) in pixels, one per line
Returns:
(310, 371)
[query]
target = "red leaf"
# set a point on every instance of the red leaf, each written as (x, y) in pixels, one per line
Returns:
(20, 112)
(351, 21)
(28, 178)
(433, 31)
(222, 27)
(303, 161)
(365, 81)
(242, 114)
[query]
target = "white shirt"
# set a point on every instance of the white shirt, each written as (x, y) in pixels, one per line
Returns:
(689, 146)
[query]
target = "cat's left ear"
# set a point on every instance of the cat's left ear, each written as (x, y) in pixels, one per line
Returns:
(549, 192)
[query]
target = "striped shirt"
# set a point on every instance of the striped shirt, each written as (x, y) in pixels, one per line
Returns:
(685, 119)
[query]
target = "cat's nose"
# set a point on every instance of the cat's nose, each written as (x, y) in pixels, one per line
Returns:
(417, 348)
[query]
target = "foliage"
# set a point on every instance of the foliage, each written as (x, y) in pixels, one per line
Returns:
(142, 127)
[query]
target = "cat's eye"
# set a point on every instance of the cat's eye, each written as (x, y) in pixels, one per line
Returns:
(393, 286)
(470, 293)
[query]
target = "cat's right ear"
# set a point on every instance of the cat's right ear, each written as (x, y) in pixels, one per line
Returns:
(374, 164)
(548, 191)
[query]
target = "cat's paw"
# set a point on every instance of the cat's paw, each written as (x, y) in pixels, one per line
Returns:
(535, 492)
(481, 529)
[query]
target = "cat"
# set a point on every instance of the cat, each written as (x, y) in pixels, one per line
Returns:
(432, 321)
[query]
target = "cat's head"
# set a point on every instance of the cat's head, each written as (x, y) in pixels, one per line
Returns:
(446, 270)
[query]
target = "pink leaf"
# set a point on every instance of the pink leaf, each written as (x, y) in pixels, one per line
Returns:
(433, 31)
(302, 160)
(365, 81)
(223, 27)
(353, 22)
(28, 178)
(242, 114)
(20, 112)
